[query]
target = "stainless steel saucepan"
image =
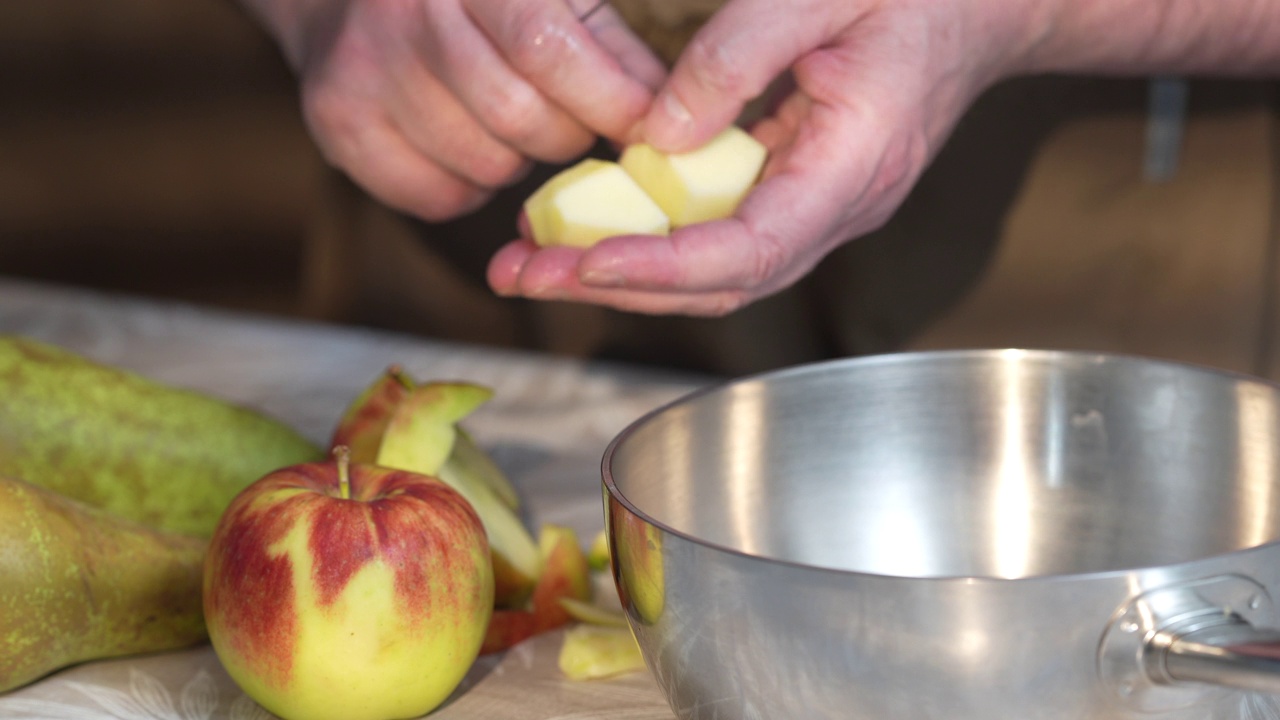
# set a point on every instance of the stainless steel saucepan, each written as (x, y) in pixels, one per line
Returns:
(980, 535)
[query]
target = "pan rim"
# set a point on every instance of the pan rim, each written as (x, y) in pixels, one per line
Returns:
(615, 494)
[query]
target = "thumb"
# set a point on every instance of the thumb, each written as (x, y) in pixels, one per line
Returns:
(729, 62)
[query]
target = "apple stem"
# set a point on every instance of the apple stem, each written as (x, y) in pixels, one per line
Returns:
(343, 456)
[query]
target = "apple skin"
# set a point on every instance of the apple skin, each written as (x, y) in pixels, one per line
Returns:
(565, 574)
(365, 420)
(364, 605)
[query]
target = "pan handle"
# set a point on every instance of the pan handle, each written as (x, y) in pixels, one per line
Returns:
(1173, 646)
(1235, 655)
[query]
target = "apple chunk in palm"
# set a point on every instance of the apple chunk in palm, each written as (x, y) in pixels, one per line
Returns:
(355, 592)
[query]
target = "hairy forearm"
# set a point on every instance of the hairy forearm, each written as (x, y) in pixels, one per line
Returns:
(1236, 37)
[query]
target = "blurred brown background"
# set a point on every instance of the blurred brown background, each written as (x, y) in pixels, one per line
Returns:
(152, 147)
(155, 147)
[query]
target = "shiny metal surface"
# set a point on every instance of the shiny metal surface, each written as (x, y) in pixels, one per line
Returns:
(945, 535)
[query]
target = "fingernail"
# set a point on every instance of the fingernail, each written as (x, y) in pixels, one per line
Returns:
(601, 278)
(675, 122)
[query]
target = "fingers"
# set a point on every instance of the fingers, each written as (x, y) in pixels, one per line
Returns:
(402, 176)
(533, 69)
(633, 55)
(453, 138)
(493, 92)
(550, 274)
(729, 62)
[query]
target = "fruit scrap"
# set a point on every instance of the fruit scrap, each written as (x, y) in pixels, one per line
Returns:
(400, 423)
(565, 575)
(592, 652)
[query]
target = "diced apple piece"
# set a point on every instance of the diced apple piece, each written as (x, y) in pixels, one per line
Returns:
(700, 185)
(591, 652)
(590, 201)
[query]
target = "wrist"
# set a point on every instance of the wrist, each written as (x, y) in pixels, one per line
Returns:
(289, 22)
(1155, 36)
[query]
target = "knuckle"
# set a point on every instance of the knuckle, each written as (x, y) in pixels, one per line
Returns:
(447, 203)
(332, 120)
(535, 45)
(768, 260)
(496, 170)
(903, 158)
(512, 113)
(717, 69)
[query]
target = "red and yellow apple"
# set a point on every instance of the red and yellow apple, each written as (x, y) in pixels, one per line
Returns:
(350, 592)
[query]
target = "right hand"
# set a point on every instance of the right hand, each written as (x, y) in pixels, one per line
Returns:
(433, 105)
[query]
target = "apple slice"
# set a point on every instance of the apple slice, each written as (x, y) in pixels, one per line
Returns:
(469, 459)
(590, 201)
(700, 185)
(565, 576)
(420, 437)
(365, 420)
(421, 433)
(592, 652)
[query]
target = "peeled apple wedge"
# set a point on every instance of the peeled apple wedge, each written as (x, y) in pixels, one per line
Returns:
(647, 192)
(700, 185)
(590, 201)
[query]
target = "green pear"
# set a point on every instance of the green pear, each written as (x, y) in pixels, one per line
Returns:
(79, 584)
(166, 457)
(422, 436)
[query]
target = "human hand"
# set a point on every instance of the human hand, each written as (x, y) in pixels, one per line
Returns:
(876, 86)
(433, 105)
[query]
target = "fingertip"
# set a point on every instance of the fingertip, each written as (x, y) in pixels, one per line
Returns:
(670, 125)
(506, 265)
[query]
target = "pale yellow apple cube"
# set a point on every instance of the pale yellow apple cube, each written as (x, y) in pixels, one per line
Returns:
(590, 201)
(699, 185)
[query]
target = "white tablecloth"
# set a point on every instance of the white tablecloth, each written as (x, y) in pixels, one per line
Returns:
(547, 425)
